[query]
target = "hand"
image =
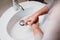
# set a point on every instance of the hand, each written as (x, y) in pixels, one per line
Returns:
(36, 29)
(31, 20)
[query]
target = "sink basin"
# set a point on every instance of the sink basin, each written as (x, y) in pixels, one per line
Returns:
(10, 26)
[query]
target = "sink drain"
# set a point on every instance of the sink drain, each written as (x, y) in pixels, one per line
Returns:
(21, 22)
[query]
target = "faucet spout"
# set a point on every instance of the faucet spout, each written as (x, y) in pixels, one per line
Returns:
(21, 7)
(17, 6)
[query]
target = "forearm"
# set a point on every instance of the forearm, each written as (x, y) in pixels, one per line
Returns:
(36, 29)
(37, 32)
(42, 11)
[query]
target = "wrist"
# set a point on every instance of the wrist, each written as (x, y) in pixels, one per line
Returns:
(37, 31)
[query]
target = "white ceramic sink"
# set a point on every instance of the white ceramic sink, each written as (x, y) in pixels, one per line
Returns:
(10, 28)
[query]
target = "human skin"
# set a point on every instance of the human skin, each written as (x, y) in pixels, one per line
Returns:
(36, 29)
(33, 20)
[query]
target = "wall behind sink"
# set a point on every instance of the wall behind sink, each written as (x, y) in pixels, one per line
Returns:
(5, 4)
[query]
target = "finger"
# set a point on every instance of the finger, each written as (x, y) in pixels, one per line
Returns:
(26, 21)
(31, 22)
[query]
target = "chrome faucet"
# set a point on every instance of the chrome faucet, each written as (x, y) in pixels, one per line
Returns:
(17, 6)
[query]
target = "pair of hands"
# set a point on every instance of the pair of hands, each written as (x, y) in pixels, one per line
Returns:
(34, 22)
(31, 20)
